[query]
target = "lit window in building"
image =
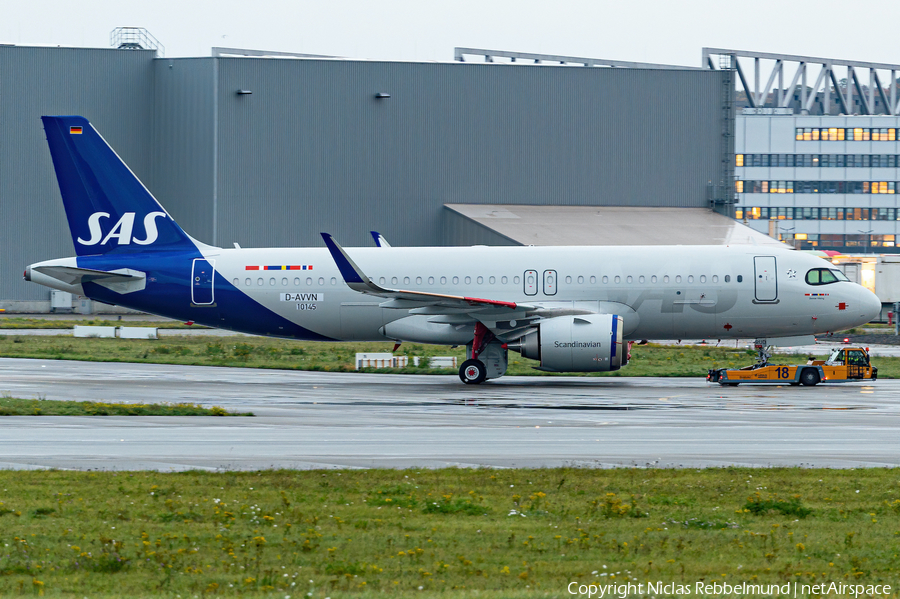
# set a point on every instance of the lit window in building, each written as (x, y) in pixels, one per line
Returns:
(739, 160)
(739, 214)
(739, 186)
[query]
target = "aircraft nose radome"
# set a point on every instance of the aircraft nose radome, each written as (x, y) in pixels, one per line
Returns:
(870, 305)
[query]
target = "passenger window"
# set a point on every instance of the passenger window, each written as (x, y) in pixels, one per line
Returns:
(653, 279)
(593, 280)
(333, 281)
(516, 280)
(492, 280)
(580, 280)
(381, 280)
(727, 278)
(690, 278)
(666, 279)
(394, 280)
(418, 280)
(431, 280)
(677, 278)
(702, 278)
(504, 280)
(641, 279)
(284, 282)
(479, 280)
(259, 281)
(443, 280)
(456, 280)
(406, 280)
(308, 281)
(740, 279)
(272, 281)
(297, 281)
(468, 280)
(630, 279)
(247, 282)
(715, 278)
(321, 281)
(236, 282)
(605, 279)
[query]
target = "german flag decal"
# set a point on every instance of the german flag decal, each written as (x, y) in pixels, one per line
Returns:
(75, 130)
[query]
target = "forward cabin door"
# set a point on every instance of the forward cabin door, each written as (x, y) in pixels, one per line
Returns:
(202, 279)
(765, 279)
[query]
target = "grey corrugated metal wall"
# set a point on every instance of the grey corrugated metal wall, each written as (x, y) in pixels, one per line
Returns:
(184, 154)
(111, 88)
(312, 149)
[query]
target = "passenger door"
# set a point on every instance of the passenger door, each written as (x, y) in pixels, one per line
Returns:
(765, 280)
(202, 282)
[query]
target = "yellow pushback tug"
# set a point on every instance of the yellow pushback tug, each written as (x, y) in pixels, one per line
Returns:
(845, 364)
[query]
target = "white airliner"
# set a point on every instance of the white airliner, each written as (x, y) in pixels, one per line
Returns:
(573, 309)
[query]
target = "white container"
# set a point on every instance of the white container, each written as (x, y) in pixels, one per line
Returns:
(105, 332)
(86, 306)
(442, 362)
(60, 301)
(380, 360)
(138, 333)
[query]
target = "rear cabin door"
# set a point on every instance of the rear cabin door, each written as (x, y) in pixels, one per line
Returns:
(765, 281)
(202, 279)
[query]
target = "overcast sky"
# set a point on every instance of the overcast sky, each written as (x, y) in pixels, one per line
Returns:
(660, 31)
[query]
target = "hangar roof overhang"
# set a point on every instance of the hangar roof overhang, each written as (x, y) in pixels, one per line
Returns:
(610, 225)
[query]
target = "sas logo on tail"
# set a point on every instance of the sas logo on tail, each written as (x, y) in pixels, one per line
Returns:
(122, 230)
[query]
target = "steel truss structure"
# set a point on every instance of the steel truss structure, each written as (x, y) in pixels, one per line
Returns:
(490, 56)
(871, 98)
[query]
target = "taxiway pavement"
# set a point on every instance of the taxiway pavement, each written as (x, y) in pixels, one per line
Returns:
(335, 420)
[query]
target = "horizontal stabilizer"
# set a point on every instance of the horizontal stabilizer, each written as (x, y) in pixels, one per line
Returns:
(122, 280)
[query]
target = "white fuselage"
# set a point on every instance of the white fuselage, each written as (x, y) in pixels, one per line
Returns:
(662, 292)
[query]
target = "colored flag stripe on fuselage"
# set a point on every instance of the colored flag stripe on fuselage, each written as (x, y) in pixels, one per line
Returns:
(282, 267)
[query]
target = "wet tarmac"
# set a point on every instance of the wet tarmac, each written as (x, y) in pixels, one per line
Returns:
(350, 420)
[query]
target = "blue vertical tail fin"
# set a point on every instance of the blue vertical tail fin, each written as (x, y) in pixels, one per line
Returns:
(108, 208)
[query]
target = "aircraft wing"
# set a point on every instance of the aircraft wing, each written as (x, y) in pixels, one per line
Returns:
(380, 241)
(440, 303)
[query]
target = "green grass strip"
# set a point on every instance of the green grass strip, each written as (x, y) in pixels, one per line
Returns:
(13, 406)
(15, 322)
(442, 533)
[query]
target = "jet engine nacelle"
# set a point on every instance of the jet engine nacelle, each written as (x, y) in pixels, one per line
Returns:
(584, 343)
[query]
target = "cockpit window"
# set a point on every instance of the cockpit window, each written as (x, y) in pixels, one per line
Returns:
(824, 276)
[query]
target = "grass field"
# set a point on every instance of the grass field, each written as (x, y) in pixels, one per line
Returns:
(14, 322)
(504, 533)
(13, 406)
(260, 352)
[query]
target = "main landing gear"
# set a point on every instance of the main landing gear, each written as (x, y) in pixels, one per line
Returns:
(475, 371)
(472, 372)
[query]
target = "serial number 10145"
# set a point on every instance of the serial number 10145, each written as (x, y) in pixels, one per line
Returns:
(306, 306)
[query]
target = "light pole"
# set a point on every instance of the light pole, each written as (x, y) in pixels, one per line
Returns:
(866, 233)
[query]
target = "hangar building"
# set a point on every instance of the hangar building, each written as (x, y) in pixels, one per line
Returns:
(267, 149)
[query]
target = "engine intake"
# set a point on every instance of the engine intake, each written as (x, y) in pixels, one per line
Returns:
(585, 343)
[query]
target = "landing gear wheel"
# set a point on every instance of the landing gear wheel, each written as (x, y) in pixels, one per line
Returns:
(809, 377)
(472, 372)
